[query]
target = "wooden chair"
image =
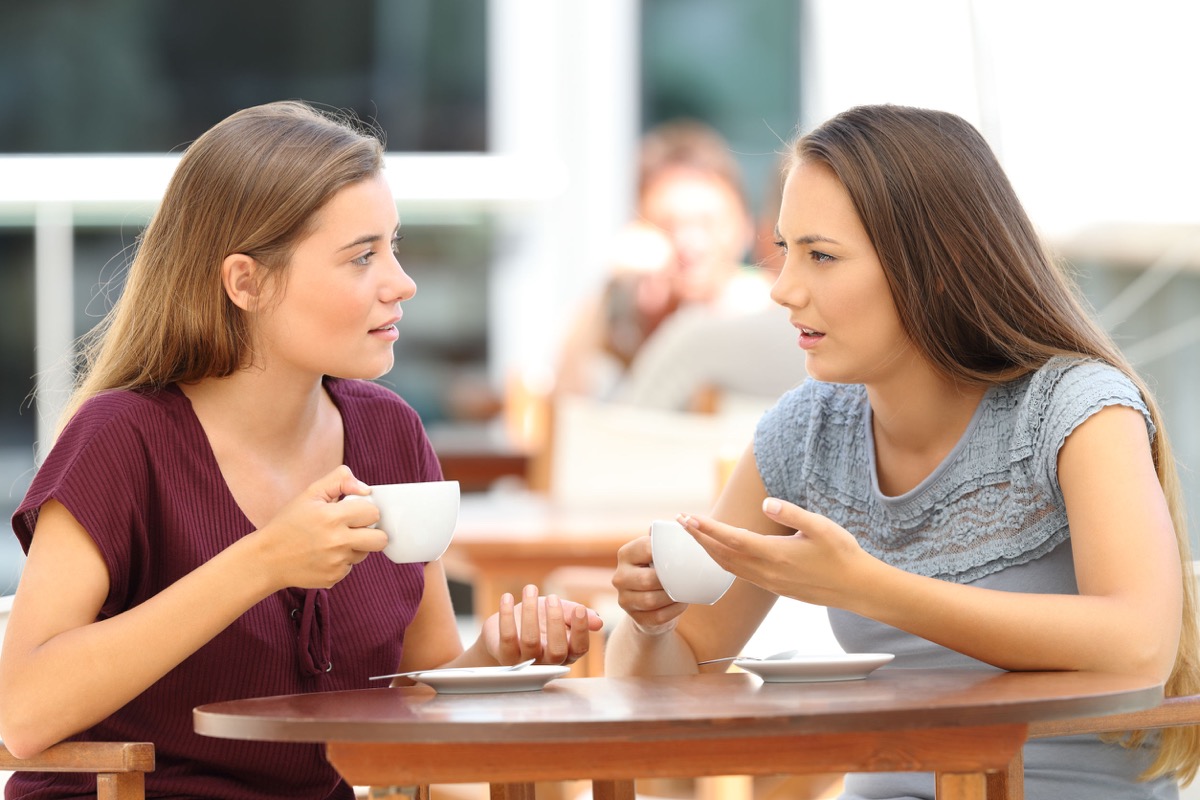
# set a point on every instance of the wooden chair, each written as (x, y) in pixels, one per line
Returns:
(120, 767)
(1174, 712)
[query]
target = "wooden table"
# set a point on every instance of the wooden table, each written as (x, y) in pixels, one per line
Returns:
(504, 540)
(968, 726)
(478, 455)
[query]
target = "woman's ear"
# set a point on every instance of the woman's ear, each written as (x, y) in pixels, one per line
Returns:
(242, 281)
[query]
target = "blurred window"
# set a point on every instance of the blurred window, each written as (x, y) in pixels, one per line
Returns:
(17, 422)
(735, 66)
(146, 76)
(131, 76)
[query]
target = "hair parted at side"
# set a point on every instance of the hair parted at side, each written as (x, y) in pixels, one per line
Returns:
(982, 298)
(251, 184)
(685, 145)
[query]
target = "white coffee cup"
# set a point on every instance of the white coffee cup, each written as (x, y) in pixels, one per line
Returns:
(419, 518)
(686, 570)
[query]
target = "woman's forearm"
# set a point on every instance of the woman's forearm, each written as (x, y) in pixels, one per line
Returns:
(82, 675)
(1130, 633)
(631, 651)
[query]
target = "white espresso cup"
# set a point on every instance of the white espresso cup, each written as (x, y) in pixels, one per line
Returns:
(418, 518)
(687, 572)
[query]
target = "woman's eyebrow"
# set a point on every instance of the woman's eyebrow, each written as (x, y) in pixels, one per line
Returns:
(368, 239)
(811, 238)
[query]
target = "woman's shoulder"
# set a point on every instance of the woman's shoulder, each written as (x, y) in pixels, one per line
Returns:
(369, 395)
(125, 408)
(813, 411)
(1065, 391)
(1073, 381)
(109, 440)
(835, 403)
(375, 412)
(1071, 374)
(812, 440)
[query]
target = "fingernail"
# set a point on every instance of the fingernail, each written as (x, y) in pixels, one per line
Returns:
(531, 591)
(771, 506)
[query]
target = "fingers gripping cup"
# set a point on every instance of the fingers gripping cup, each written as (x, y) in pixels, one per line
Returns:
(688, 573)
(419, 518)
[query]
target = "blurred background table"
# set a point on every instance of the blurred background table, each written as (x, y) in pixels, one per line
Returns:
(506, 539)
(479, 454)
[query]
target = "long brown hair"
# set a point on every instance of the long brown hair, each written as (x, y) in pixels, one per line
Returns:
(984, 301)
(251, 184)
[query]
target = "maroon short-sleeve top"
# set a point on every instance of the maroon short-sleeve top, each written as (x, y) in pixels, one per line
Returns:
(136, 470)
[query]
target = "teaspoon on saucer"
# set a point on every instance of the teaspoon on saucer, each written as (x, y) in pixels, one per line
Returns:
(781, 656)
(508, 668)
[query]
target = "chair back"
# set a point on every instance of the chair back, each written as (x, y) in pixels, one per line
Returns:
(603, 454)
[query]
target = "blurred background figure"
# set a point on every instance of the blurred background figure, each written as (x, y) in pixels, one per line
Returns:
(613, 325)
(690, 187)
(682, 318)
(735, 354)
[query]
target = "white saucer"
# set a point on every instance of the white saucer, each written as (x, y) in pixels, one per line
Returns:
(483, 680)
(808, 669)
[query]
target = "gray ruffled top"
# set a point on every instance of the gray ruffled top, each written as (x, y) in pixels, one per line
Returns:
(993, 503)
(991, 515)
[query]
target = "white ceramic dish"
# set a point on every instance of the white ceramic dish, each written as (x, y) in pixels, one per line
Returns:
(490, 680)
(809, 669)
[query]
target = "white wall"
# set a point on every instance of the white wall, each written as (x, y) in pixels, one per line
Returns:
(1091, 106)
(563, 89)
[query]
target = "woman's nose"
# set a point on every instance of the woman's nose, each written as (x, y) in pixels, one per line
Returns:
(787, 290)
(400, 286)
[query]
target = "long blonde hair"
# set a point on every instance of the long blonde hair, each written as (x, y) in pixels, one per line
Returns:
(251, 184)
(983, 299)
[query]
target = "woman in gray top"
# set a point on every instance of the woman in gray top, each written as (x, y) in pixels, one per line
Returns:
(972, 476)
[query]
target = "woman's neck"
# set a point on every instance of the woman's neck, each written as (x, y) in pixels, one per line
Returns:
(258, 409)
(915, 422)
(270, 439)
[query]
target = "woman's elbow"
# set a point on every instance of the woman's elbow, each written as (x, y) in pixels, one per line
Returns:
(24, 733)
(1146, 655)
(23, 744)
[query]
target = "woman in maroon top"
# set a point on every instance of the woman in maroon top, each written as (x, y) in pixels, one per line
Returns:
(185, 544)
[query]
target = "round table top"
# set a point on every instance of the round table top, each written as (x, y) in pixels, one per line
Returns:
(681, 707)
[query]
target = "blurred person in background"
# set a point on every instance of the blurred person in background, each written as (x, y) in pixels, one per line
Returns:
(185, 539)
(682, 261)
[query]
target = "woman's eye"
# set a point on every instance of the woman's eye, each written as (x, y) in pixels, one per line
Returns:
(781, 245)
(365, 259)
(396, 244)
(820, 257)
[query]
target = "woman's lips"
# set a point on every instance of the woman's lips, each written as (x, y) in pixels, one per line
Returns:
(809, 337)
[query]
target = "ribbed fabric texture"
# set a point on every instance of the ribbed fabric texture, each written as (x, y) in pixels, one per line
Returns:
(137, 472)
(991, 515)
